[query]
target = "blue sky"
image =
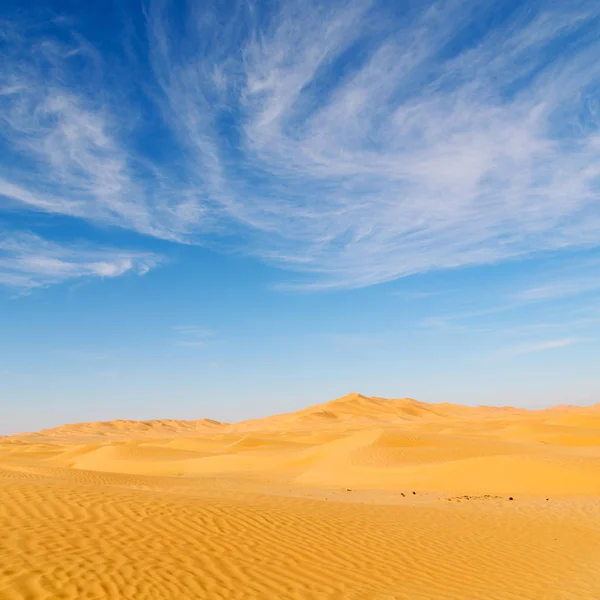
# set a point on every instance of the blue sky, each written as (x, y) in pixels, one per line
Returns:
(232, 208)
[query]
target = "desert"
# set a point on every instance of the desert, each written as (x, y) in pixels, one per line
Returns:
(361, 497)
(218, 218)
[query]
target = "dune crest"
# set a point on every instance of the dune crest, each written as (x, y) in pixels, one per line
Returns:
(129, 427)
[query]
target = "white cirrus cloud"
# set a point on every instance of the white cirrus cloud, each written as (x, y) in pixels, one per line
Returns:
(193, 336)
(564, 287)
(352, 142)
(27, 261)
(542, 346)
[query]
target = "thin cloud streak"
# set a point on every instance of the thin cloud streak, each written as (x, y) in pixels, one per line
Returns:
(542, 346)
(27, 261)
(192, 336)
(562, 289)
(344, 142)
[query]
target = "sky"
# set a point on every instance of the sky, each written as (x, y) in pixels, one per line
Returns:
(234, 208)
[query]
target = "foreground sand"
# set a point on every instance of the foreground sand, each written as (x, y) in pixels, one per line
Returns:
(358, 498)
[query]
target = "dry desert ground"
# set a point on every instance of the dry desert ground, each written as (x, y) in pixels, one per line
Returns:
(357, 498)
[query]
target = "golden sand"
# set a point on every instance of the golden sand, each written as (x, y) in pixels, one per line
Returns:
(357, 498)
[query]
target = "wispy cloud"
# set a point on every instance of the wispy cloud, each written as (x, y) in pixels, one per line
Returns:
(193, 336)
(414, 158)
(27, 261)
(354, 340)
(421, 294)
(452, 320)
(571, 286)
(551, 288)
(352, 142)
(60, 121)
(541, 346)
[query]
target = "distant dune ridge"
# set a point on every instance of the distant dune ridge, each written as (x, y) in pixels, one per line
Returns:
(353, 406)
(128, 427)
(402, 499)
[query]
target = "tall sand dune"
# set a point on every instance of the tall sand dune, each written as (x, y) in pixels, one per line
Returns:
(360, 497)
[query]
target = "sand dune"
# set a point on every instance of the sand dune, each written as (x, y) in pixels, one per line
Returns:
(355, 498)
(128, 428)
